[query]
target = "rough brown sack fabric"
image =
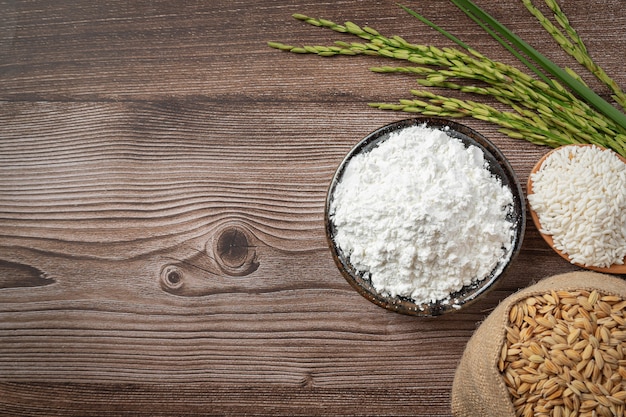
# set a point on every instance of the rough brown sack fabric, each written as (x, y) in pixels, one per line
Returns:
(478, 389)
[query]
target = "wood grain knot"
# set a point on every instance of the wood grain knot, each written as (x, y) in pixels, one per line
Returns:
(17, 275)
(234, 252)
(172, 277)
(231, 252)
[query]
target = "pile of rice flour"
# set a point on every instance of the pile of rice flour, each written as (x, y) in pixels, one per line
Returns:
(421, 215)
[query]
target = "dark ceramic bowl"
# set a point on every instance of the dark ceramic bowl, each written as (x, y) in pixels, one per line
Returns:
(498, 166)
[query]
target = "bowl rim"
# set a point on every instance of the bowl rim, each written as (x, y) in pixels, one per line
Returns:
(405, 305)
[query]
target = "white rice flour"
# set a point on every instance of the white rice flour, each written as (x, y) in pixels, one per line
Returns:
(422, 215)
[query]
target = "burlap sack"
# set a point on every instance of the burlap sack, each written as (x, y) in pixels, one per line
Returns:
(479, 389)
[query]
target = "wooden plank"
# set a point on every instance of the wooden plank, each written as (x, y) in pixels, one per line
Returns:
(190, 399)
(152, 49)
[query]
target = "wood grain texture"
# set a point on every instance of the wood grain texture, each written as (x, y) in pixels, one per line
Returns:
(163, 175)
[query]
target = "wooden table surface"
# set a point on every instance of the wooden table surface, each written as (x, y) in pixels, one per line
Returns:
(148, 140)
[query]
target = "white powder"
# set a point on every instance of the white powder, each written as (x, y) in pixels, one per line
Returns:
(579, 195)
(422, 215)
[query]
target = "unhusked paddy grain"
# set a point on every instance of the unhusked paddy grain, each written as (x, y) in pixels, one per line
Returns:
(564, 355)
